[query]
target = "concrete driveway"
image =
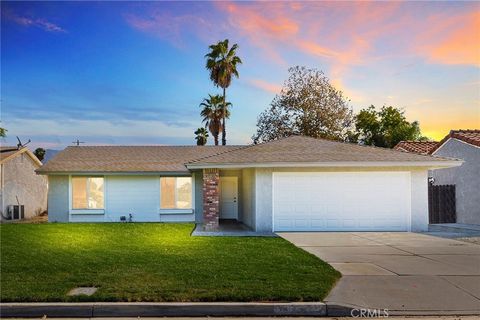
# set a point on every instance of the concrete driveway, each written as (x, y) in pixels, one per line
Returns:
(399, 271)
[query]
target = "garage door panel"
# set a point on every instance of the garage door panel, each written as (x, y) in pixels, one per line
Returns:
(341, 201)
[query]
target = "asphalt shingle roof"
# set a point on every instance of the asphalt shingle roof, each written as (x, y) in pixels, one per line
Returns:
(128, 158)
(175, 158)
(306, 149)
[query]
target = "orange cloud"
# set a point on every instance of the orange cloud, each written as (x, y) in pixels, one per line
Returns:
(266, 86)
(461, 44)
(274, 27)
(264, 25)
(315, 49)
(274, 23)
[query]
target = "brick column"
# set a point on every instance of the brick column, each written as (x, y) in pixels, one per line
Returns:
(211, 198)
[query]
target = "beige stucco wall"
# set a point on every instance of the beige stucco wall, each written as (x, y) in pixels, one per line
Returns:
(20, 180)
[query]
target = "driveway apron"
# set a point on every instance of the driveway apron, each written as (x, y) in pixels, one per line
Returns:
(398, 271)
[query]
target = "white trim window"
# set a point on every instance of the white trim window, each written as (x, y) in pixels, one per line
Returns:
(176, 193)
(88, 193)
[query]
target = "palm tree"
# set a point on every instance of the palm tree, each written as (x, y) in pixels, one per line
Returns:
(213, 112)
(201, 136)
(222, 63)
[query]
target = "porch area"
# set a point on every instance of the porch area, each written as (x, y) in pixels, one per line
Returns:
(228, 204)
(229, 228)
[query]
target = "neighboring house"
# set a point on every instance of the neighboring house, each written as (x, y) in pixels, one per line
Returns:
(421, 147)
(292, 184)
(462, 144)
(19, 183)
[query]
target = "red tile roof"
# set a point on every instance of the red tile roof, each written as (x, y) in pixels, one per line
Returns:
(469, 136)
(422, 147)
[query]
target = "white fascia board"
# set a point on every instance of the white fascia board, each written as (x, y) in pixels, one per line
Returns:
(421, 164)
(129, 173)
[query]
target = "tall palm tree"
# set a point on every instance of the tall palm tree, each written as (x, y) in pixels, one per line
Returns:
(201, 135)
(222, 64)
(213, 112)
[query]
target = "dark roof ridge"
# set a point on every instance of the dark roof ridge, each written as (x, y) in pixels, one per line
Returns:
(216, 154)
(152, 145)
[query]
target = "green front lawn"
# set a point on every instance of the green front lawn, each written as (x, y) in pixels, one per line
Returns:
(154, 262)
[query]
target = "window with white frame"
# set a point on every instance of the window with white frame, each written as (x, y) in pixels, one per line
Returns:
(87, 193)
(175, 193)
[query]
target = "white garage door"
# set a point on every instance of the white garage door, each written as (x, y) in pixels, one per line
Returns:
(347, 201)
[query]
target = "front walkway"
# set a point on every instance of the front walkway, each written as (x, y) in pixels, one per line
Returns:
(230, 228)
(398, 271)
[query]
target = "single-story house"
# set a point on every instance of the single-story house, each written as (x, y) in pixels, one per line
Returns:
(292, 184)
(19, 185)
(465, 145)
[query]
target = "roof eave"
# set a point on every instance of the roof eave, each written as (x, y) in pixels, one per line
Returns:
(439, 164)
(20, 151)
(114, 173)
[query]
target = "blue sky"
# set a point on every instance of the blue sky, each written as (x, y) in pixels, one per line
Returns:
(133, 72)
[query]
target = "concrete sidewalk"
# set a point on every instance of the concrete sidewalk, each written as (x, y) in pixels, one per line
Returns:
(405, 272)
(259, 318)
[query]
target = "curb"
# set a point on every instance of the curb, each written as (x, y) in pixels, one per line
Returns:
(200, 309)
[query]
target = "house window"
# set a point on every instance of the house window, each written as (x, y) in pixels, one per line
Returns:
(87, 193)
(176, 193)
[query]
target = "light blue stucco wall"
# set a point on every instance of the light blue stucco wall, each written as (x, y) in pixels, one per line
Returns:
(248, 197)
(58, 199)
(466, 178)
(138, 195)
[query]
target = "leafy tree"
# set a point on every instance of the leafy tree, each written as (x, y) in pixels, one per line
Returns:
(308, 104)
(222, 64)
(39, 153)
(3, 132)
(213, 112)
(201, 135)
(385, 127)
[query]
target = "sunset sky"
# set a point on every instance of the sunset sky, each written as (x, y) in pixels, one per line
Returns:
(134, 72)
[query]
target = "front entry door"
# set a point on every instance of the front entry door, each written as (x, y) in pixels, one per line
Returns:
(228, 198)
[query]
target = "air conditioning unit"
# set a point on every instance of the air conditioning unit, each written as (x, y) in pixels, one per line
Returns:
(16, 212)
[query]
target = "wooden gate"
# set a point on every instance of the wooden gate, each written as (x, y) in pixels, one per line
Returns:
(441, 204)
